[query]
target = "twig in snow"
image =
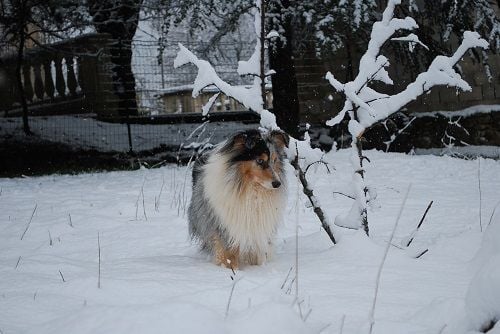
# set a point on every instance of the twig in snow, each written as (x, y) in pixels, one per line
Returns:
(324, 328)
(286, 278)
(50, 239)
(158, 164)
(420, 223)
(34, 295)
(99, 260)
(137, 201)
(230, 297)
(310, 195)
(299, 306)
(394, 245)
(31, 218)
(379, 274)
(342, 321)
(442, 329)
(143, 206)
(338, 192)
(157, 199)
(70, 221)
(493, 214)
(60, 273)
(307, 314)
(17, 263)
(422, 253)
(480, 194)
(324, 163)
(289, 289)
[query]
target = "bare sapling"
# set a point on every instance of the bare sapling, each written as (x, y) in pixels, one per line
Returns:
(365, 106)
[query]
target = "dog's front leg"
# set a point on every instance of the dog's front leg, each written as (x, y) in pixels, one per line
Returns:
(229, 257)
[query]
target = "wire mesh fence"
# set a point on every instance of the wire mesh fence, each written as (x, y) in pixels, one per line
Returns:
(85, 131)
(155, 126)
(156, 77)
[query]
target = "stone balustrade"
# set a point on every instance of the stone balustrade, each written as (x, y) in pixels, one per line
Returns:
(60, 78)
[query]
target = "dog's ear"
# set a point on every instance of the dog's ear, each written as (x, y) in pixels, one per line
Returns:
(280, 138)
(239, 140)
(246, 140)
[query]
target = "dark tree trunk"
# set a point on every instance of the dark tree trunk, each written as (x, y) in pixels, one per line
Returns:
(285, 95)
(19, 68)
(119, 18)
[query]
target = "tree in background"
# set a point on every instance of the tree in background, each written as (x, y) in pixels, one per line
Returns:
(22, 20)
(341, 26)
(451, 18)
(282, 18)
(119, 18)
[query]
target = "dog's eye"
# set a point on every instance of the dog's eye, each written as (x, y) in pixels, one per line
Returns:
(259, 161)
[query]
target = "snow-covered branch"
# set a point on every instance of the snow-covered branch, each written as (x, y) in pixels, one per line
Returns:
(365, 106)
(250, 97)
(359, 95)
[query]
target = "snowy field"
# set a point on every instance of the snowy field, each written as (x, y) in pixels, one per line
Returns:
(153, 280)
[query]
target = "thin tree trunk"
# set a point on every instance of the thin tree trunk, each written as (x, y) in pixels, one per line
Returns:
(359, 147)
(19, 81)
(263, 52)
(120, 20)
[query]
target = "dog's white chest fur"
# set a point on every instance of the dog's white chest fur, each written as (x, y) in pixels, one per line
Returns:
(250, 217)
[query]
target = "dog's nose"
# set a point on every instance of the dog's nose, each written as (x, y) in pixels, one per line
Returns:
(276, 184)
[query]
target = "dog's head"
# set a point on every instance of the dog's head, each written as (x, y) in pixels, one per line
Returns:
(257, 157)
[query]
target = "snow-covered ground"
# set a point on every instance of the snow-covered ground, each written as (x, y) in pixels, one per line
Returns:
(153, 280)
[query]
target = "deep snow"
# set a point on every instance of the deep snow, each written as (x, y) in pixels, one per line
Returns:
(153, 280)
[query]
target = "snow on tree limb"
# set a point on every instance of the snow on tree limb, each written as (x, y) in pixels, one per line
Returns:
(374, 106)
(412, 39)
(206, 108)
(252, 65)
(250, 97)
(440, 73)
(366, 106)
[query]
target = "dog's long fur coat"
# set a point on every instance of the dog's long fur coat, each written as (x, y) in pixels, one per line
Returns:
(238, 197)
